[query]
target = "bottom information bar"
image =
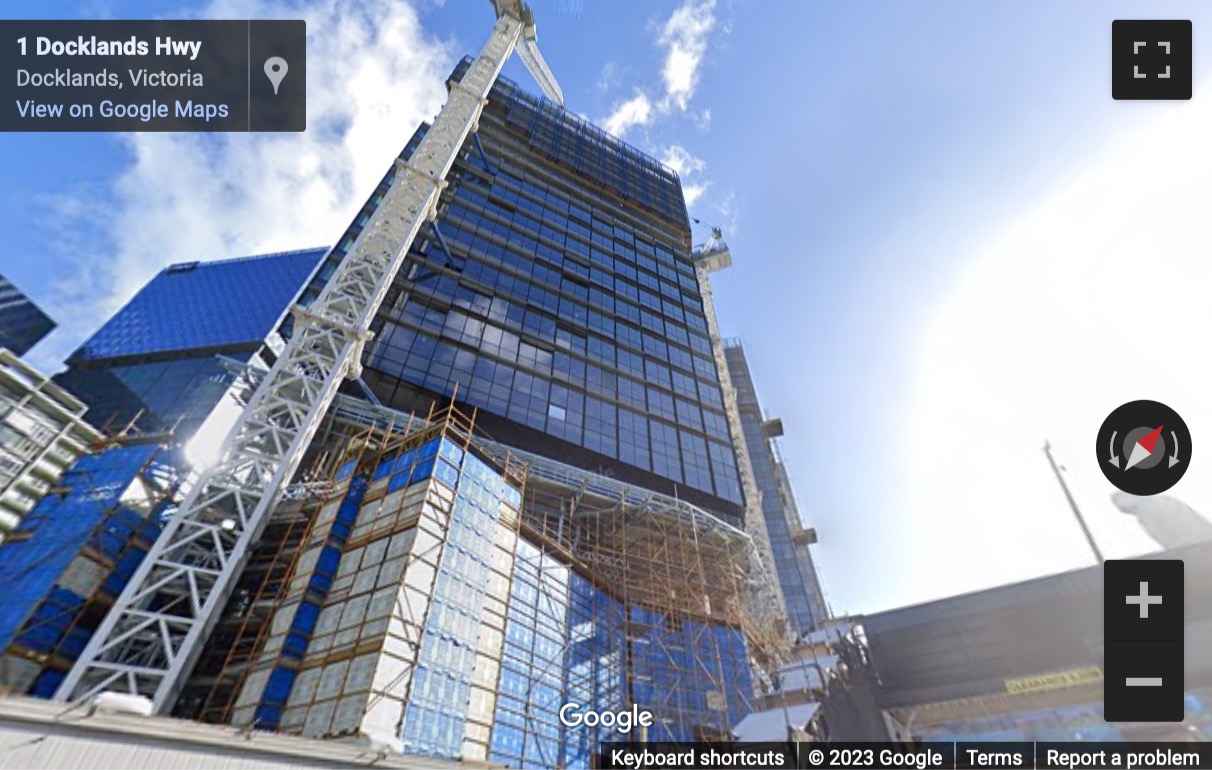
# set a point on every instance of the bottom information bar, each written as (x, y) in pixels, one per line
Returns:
(923, 756)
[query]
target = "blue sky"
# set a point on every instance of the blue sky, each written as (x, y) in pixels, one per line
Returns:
(894, 180)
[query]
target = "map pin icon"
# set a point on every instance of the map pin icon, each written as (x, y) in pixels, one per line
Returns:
(275, 70)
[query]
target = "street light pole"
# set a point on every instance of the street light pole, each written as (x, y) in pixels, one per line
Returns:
(1077, 514)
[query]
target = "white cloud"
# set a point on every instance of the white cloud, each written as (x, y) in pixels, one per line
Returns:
(635, 111)
(684, 37)
(681, 161)
(693, 192)
(687, 167)
(373, 76)
(610, 77)
(726, 213)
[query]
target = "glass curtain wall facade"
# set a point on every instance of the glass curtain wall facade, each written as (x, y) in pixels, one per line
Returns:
(798, 577)
(556, 292)
(22, 323)
(160, 359)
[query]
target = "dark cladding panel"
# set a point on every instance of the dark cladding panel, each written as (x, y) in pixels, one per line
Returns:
(22, 323)
(970, 645)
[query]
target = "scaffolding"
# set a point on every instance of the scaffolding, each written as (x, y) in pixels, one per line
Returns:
(351, 621)
(665, 552)
(239, 637)
(654, 551)
(682, 606)
(558, 585)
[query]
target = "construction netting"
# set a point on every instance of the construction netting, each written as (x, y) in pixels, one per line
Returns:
(449, 600)
(73, 554)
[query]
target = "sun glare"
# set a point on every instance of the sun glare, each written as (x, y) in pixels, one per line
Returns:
(1098, 298)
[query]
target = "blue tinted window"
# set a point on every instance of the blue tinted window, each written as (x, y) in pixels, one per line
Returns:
(22, 323)
(205, 305)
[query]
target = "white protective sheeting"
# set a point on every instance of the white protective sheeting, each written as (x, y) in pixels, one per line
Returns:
(772, 725)
(806, 674)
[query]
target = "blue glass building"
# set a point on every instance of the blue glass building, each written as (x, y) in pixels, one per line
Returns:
(557, 293)
(160, 359)
(22, 323)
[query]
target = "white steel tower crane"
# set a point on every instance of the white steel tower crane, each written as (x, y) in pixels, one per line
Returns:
(151, 638)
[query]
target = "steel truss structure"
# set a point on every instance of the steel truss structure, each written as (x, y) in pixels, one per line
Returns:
(149, 642)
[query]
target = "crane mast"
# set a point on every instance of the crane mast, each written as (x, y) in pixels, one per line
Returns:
(150, 640)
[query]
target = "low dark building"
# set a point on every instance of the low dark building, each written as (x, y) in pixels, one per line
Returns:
(1024, 661)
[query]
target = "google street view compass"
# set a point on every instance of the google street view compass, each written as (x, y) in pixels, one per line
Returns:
(1143, 448)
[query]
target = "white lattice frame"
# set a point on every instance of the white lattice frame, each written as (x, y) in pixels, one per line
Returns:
(150, 640)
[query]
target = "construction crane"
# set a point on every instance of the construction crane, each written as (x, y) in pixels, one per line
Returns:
(150, 640)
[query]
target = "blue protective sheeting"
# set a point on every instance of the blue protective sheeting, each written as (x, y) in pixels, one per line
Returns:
(277, 690)
(47, 683)
(346, 470)
(281, 680)
(74, 642)
(267, 717)
(124, 570)
(87, 519)
(305, 617)
(398, 481)
(403, 462)
(58, 527)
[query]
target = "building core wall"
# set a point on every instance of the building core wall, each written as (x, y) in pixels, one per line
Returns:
(792, 560)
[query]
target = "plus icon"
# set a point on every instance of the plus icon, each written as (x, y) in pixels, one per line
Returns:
(1144, 600)
(1143, 642)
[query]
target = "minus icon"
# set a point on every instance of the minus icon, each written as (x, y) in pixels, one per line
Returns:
(1143, 681)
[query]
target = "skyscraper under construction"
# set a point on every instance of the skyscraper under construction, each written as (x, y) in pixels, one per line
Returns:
(557, 296)
(535, 495)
